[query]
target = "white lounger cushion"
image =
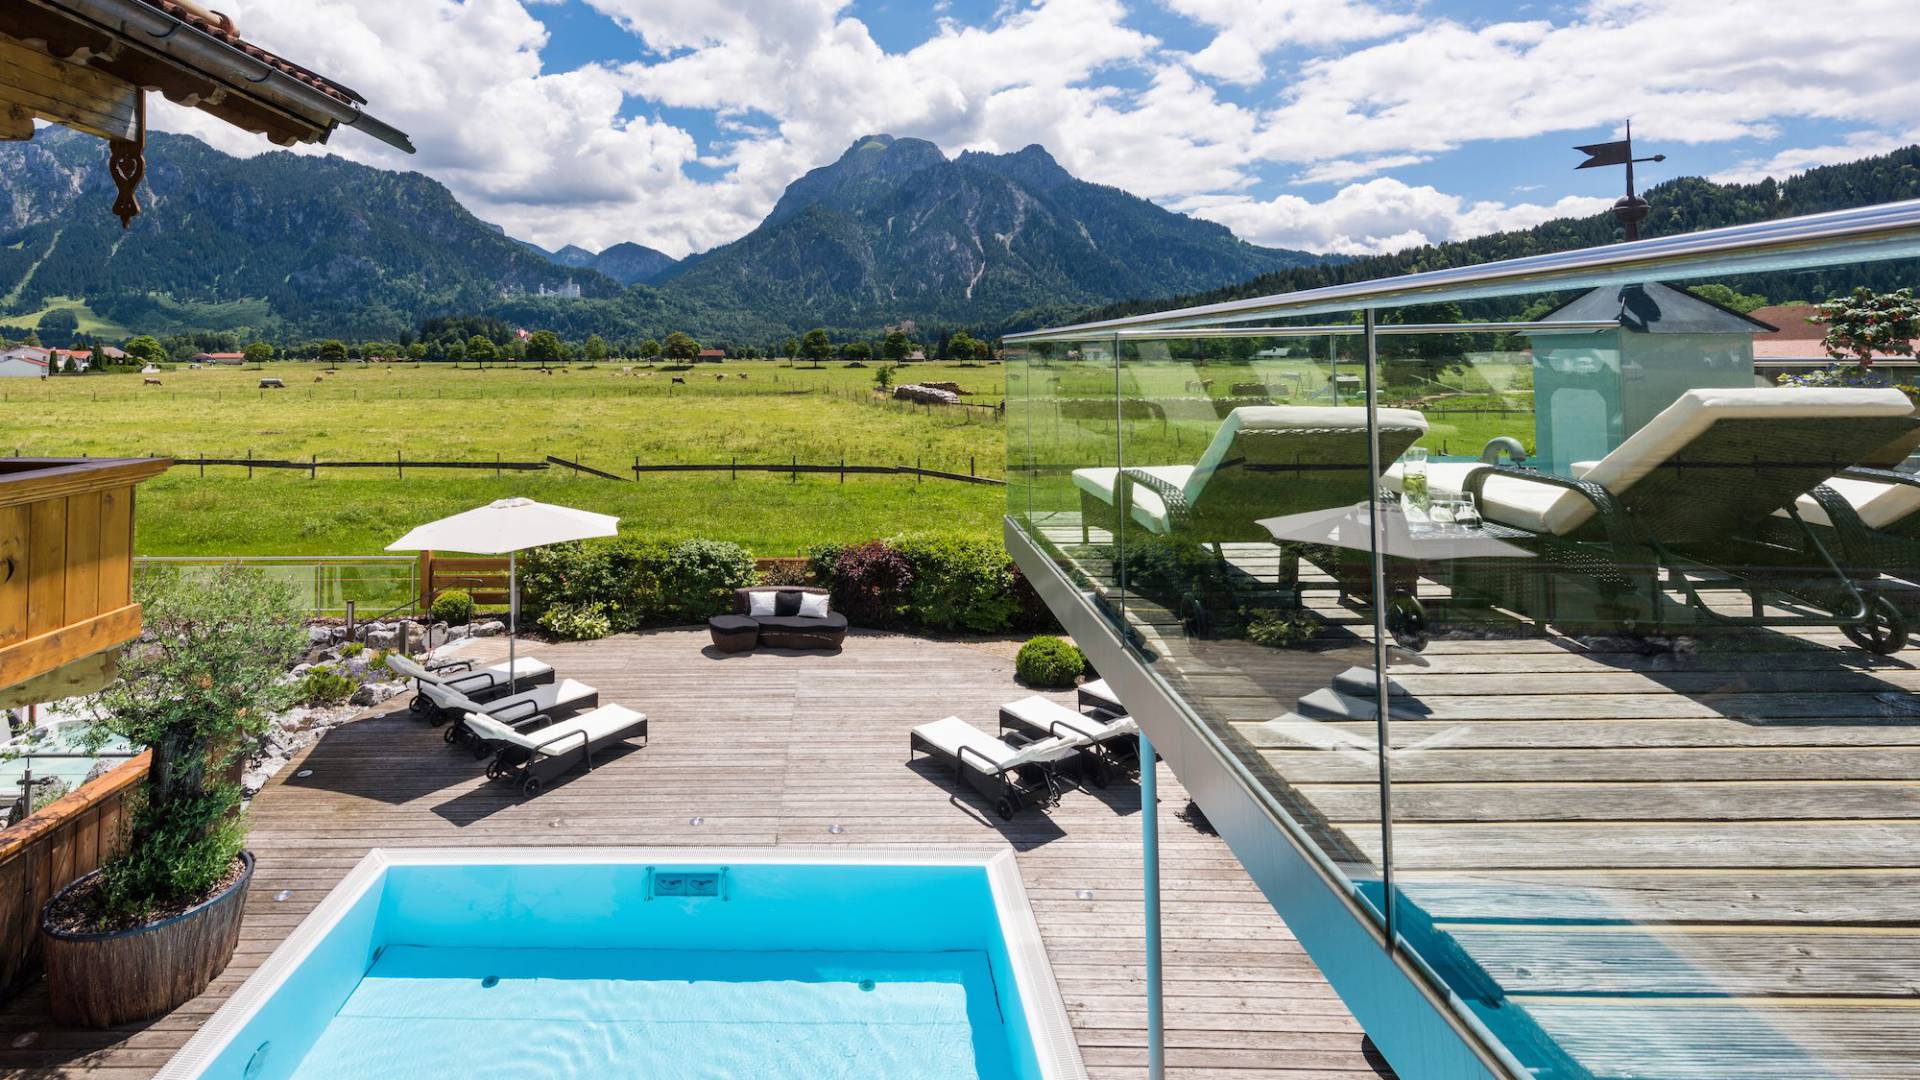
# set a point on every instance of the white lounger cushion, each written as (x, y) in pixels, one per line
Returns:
(1101, 692)
(1878, 503)
(1044, 714)
(1151, 511)
(542, 698)
(438, 686)
(582, 730)
(1542, 508)
(948, 736)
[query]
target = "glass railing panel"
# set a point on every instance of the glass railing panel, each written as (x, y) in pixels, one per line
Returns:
(1070, 428)
(1245, 472)
(1653, 763)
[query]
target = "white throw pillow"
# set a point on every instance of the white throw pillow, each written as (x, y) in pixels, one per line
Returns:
(813, 605)
(760, 603)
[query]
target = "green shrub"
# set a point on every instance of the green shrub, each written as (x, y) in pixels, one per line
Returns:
(185, 829)
(324, 684)
(959, 584)
(582, 623)
(1282, 629)
(352, 649)
(453, 607)
(1050, 662)
(698, 578)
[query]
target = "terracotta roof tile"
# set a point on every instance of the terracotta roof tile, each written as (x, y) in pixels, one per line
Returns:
(217, 25)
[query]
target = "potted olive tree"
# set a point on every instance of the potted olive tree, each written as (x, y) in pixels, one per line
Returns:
(152, 927)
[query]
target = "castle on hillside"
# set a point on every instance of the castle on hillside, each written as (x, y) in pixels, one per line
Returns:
(569, 291)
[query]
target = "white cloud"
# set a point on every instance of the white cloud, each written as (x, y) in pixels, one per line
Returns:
(1306, 91)
(1379, 215)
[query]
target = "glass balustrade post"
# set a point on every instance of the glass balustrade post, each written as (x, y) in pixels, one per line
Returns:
(1150, 881)
(1382, 686)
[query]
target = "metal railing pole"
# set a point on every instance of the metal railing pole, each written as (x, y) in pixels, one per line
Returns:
(1150, 887)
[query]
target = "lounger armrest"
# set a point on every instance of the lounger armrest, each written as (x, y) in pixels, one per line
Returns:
(479, 680)
(439, 666)
(1179, 511)
(1616, 520)
(989, 767)
(1845, 521)
(1884, 476)
(541, 748)
(526, 723)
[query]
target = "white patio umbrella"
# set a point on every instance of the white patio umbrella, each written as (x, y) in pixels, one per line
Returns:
(508, 527)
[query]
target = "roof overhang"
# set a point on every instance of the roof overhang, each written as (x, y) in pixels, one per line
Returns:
(103, 52)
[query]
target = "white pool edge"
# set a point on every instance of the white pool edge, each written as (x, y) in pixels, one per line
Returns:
(1054, 1046)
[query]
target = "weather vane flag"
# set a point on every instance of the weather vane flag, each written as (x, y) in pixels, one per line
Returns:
(1632, 209)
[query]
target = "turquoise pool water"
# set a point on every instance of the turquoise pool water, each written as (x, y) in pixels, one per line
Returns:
(423, 966)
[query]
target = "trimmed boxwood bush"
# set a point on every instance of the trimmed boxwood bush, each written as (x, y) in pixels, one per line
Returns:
(633, 582)
(454, 607)
(1049, 662)
(959, 584)
(697, 579)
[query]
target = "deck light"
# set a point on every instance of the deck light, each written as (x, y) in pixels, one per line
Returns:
(696, 821)
(283, 896)
(835, 829)
(21, 1042)
(1083, 894)
(303, 774)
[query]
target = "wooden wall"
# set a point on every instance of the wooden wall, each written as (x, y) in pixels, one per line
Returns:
(66, 561)
(40, 856)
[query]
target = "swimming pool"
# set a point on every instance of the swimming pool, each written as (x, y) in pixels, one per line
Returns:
(651, 963)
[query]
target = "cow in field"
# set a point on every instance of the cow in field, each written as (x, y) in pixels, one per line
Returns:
(150, 382)
(679, 380)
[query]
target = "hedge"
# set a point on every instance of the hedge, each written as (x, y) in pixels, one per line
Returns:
(918, 582)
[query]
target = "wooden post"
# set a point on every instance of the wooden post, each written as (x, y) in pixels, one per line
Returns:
(399, 465)
(249, 462)
(795, 476)
(425, 595)
(313, 467)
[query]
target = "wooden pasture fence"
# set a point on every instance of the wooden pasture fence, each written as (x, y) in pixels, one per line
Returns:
(43, 854)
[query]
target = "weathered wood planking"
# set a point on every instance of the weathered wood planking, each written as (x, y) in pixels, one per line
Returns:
(1700, 863)
(76, 95)
(773, 749)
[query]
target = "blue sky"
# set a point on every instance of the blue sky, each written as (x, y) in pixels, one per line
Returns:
(1331, 125)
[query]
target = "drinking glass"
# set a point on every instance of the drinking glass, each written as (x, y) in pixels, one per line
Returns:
(1413, 476)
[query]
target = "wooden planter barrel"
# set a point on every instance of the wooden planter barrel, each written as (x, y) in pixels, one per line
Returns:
(98, 980)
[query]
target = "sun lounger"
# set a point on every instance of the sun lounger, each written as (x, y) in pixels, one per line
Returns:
(1264, 461)
(1670, 510)
(536, 757)
(1110, 745)
(1007, 776)
(430, 684)
(537, 707)
(1098, 695)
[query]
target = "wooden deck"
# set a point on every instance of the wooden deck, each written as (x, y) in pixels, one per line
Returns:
(1699, 863)
(768, 749)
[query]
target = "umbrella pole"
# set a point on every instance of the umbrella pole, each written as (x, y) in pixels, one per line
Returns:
(513, 620)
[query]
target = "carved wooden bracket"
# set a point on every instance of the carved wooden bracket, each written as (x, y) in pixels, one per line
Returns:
(127, 162)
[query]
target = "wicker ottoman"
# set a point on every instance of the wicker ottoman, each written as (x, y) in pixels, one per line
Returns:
(733, 633)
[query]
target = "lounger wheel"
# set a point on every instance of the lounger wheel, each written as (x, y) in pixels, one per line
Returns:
(1097, 774)
(530, 786)
(1407, 622)
(452, 734)
(494, 770)
(418, 705)
(1004, 807)
(1885, 630)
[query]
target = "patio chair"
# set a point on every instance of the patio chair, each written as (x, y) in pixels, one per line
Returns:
(1264, 461)
(1110, 745)
(431, 683)
(1007, 776)
(1681, 500)
(534, 758)
(533, 708)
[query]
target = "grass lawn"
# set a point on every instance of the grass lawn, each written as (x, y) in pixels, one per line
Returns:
(604, 416)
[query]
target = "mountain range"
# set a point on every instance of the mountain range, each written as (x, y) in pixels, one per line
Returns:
(288, 245)
(291, 246)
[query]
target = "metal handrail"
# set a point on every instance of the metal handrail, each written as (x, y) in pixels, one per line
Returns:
(1885, 231)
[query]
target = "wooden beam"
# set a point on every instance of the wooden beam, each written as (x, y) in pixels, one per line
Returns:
(38, 655)
(63, 92)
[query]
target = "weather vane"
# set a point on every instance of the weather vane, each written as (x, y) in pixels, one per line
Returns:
(1631, 210)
